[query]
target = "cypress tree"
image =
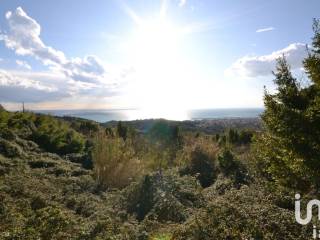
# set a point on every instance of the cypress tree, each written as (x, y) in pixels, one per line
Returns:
(289, 149)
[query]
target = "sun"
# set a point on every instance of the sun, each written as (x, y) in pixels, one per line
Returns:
(155, 53)
(155, 42)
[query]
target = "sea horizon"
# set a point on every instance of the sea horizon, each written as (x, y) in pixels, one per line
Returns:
(107, 115)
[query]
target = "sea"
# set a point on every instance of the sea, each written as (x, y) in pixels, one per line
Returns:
(135, 114)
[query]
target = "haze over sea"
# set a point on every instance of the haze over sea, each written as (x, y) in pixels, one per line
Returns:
(134, 114)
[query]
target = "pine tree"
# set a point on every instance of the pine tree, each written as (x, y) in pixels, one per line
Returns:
(289, 150)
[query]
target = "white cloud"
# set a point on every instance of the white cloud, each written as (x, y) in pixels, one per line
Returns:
(24, 38)
(182, 3)
(67, 78)
(15, 88)
(23, 64)
(268, 29)
(36, 87)
(255, 66)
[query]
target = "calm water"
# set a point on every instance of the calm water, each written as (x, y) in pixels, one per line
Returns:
(133, 114)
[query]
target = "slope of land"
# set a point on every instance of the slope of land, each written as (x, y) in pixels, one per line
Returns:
(206, 193)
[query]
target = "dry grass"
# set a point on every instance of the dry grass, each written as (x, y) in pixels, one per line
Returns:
(115, 162)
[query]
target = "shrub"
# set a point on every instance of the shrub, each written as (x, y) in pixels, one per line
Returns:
(122, 131)
(38, 202)
(115, 164)
(227, 162)
(201, 165)
(247, 213)
(85, 159)
(7, 134)
(42, 164)
(50, 222)
(231, 167)
(56, 136)
(9, 149)
(141, 200)
(162, 197)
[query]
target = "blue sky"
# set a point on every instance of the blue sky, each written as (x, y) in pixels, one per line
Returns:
(160, 55)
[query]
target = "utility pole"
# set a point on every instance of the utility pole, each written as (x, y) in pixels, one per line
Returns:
(23, 107)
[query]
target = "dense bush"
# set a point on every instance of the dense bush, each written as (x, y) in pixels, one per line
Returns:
(49, 133)
(9, 149)
(115, 163)
(56, 136)
(231, 167)
(235, 137)
(163, 197)
(248, 213)
(165, 140)
(202, 164)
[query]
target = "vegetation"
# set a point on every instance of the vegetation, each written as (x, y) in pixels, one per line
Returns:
(115, 162)
(69, 178)
(289, 148)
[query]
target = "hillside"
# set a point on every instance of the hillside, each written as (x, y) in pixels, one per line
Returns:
(207, 126)
(205, 193)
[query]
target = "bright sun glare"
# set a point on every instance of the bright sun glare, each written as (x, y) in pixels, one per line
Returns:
(155, 51)
(155, 42)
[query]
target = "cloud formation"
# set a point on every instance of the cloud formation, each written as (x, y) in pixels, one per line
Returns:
(17, 89)
(23, 37)
(268, 29)
(23, 64)
(67, 77)
(256, 66)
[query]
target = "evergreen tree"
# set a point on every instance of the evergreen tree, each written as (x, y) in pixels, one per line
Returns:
(122, 131)
(289, 150)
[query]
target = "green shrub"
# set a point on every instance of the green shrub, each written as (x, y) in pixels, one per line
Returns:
(56, 136)
(162, 197)
(231, 167)
(10, 149)
(50, 222)
(201, 165)
(7, 134)
(247, 213)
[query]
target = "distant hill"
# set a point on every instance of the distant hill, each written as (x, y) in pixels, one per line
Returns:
(209, 126)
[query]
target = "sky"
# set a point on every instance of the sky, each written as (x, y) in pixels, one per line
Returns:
(160, 56)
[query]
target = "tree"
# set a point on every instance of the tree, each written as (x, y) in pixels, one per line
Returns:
(2, 108)
(166, 139)
(122, 130)
(289, 149)
(201, 165)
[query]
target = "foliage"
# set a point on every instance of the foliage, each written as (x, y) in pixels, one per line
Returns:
(201, 165)
(122, 131)
(247, 213)
(157, 179)
(9, 149)
(289, 150)
(162, 197)
(115, 163)
(235, 137)
(51, 134)
(164, 138)
(231, 167)
(56, 136)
